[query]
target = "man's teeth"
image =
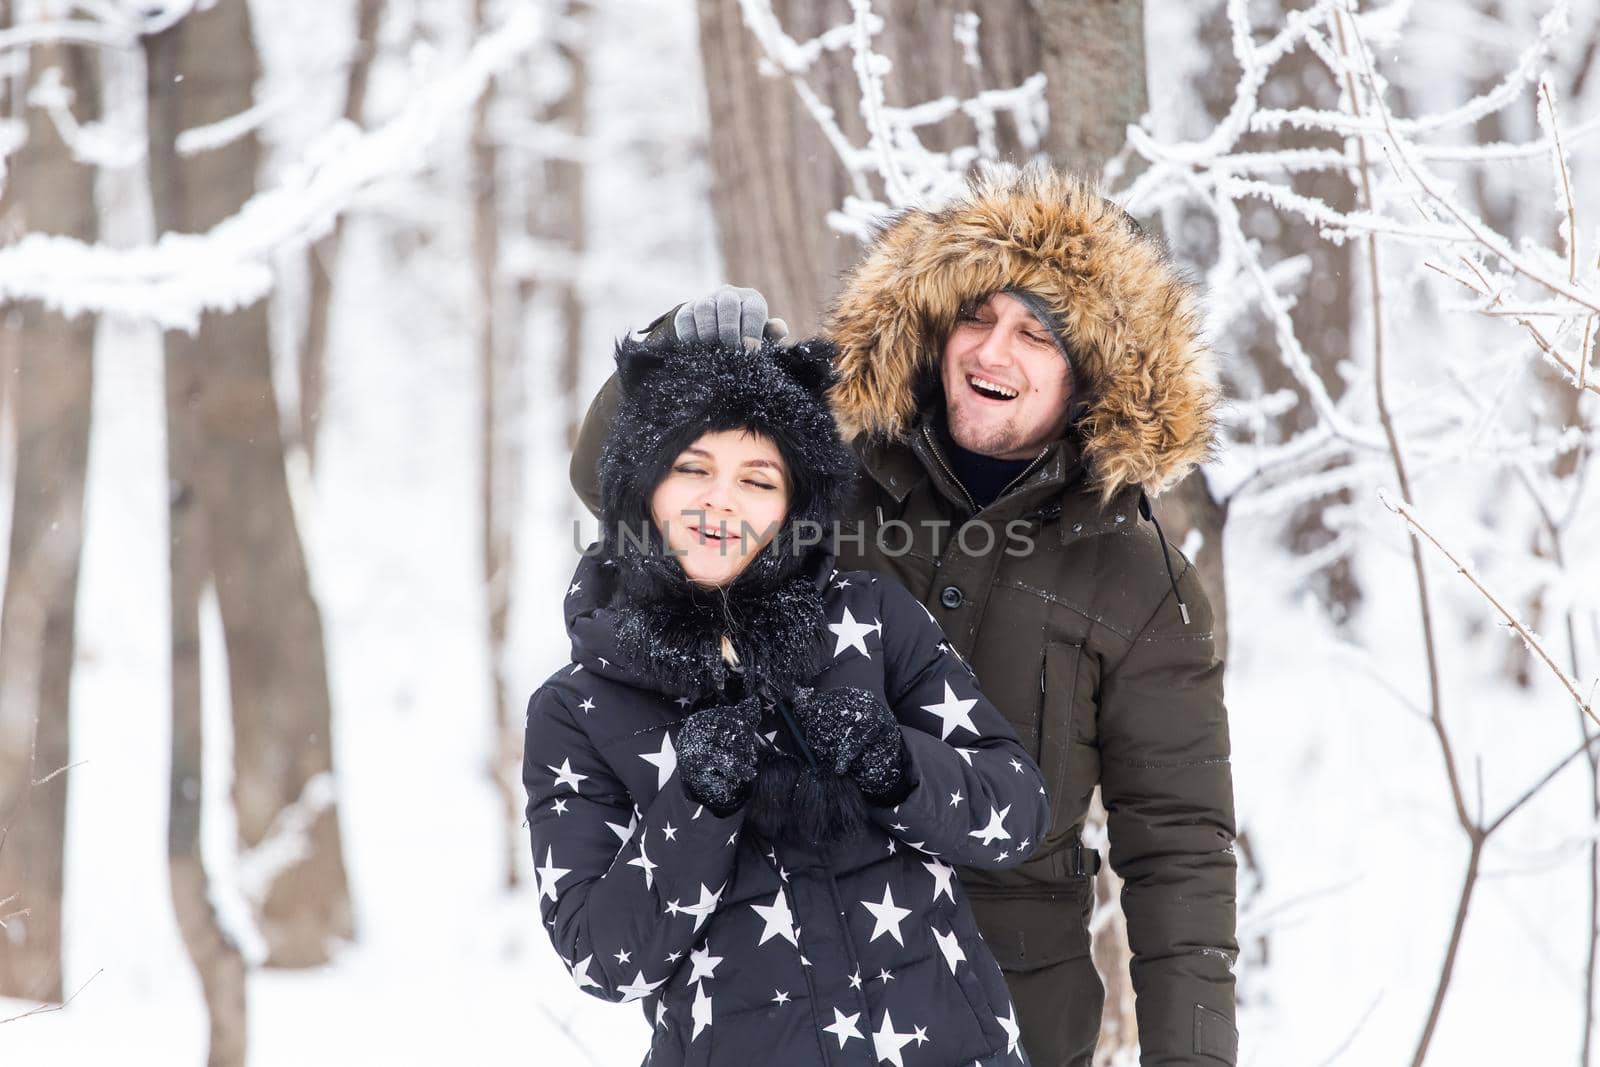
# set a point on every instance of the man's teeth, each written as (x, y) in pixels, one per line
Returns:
(984, 385)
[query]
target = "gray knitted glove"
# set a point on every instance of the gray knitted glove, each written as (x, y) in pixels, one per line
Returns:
(717, 755)
(853, 733)
(731, 315)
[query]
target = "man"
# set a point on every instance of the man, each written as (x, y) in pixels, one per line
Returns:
(1017, 371)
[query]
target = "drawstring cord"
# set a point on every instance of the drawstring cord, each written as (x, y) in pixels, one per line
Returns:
(794, 731)
(764, 693)
(1146, 511)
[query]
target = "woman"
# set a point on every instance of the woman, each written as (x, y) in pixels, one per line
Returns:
(746, 791)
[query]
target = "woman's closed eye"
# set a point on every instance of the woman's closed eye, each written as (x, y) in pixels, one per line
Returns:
(691, 469)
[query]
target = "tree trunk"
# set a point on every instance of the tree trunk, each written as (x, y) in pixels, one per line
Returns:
(774, 178)
(498, 425)
(283, 786)
(559, 218)
(1095, 69)
(218, 959)
(324, 255)
(45, 191)
(216, 955)
(547, 186)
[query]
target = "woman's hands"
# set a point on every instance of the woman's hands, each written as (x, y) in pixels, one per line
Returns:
(853, 734)
(717, 755)
(850, 731)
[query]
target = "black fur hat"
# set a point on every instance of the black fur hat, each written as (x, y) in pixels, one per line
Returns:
(672, 392)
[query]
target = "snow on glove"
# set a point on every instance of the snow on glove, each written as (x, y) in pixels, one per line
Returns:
(731, 315)
(852, 732)
(717, 755)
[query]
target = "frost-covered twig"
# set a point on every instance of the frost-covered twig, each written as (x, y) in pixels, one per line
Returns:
(167, 14)
(1291, 351)
(1493, 296)
(1547, 121)
(1529, 639)
(200, 139)
(1507, 90)
(893, 152)
(183, 275)
(41, 1009)
(870, 67)
(1402, 151)
(1563, 169)
(95, 145)
(59, 771)
(794, 60)
(67, 31)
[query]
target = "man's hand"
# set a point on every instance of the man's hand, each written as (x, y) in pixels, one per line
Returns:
(717, 755)
(854, 734)
(730, 315)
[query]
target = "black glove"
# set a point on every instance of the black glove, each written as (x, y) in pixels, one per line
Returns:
(852, 733)
(730, 315)
(717, 755)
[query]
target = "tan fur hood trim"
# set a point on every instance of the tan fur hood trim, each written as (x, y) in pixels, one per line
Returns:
(1129, 315)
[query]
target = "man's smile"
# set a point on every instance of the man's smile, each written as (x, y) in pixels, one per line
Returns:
(990, 390)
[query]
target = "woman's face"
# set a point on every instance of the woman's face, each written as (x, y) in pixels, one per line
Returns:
(720, 503)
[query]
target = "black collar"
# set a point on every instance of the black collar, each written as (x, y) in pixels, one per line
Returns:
(983, 477)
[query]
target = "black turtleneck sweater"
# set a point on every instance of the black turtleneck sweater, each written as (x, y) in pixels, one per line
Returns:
(983, 477)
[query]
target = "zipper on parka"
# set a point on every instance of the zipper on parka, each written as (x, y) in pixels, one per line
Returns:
(972, 505)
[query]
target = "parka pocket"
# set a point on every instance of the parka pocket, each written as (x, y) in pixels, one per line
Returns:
(1028, 933)
(1066, 754)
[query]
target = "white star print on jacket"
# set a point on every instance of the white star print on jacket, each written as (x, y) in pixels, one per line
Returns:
(743, 950)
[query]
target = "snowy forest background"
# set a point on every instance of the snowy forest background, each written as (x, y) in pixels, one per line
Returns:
(304, 300)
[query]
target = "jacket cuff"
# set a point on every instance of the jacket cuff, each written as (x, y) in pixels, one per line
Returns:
(905, 782)
(1186, 1022)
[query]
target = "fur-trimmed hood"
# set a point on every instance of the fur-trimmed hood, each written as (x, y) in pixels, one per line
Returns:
(1131, 319)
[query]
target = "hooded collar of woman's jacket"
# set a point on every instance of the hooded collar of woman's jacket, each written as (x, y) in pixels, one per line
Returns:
(1129, 316)
(670, 640)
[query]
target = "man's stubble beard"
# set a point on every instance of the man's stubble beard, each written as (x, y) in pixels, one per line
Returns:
(993, 439)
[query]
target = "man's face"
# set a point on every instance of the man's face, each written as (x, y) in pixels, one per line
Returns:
(1006, 385)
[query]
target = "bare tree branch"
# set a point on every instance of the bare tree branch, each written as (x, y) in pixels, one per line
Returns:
(43, 1009)
(1529, 638)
